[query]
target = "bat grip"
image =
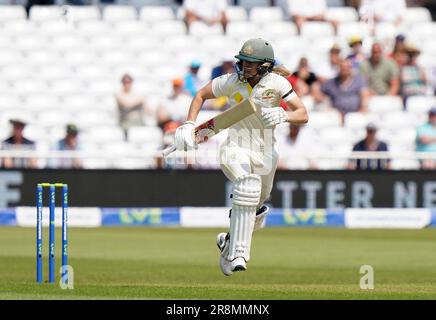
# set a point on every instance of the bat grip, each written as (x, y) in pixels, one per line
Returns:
(168, 150)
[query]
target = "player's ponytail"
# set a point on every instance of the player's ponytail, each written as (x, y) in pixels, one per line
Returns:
(281, 70)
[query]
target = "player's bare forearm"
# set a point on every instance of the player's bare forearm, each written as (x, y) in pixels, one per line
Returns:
(298, 113)
(202, 95)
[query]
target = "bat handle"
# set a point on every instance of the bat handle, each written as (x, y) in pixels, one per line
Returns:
(168, 150)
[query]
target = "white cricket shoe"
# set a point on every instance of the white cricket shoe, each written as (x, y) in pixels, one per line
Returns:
(239, 264)
(223, 242)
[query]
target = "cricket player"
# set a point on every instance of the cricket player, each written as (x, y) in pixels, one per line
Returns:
(248, 157)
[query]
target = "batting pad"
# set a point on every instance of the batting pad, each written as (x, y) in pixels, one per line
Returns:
(246, 196)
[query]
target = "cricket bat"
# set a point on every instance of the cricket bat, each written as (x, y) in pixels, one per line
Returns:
(224, 120)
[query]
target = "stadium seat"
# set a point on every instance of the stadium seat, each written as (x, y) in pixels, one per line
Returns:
(43, 13)
(55, 28)
(93, 27)
(81, 13)
(342, 14)
(40, 57)
(133, 27)
(113, 13)
(90, 72)
(153, 58)
(397, 120)
(336, 136)
(105, 134)
(382, 104)
(169, 28)
(141, 43)
(79, 56)
(417, 14)
(18, 27)
(115, 57)
(420, 104)
(77, 103)
(35, 132)
(29, 86)
(180, 43)
(9, 102)
(405, 164)
(118, 147)
(68, 42)
(427, 61)
(219, 44)
(8, 13)
(386, 31)
(294, 45)
(145, 135)
(180, 13)
(40, 102)
(30, 42)
(200, 29)
(348, 30)
(249, 4)
(66, 87)
(429, 46)
(236, 13)
(15, 72)
(356, 120)
(102, 86)
(104, 42)
(53, 118)
(93, 118)
(5, 40)
(422, 32)
(278, 30)
(406, 135)
(156, 13)
(309, 102)
(262, 14)
(242, 29)
(320, 120)
(317, 30)
(10, 57)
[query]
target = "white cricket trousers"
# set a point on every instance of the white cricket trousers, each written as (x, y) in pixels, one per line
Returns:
(236, 161)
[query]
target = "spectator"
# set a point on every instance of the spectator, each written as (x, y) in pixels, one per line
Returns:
(357, 56)
(330, 69)
(176, 106)
(347, 91)
(426, 139)
(297, 148)
(226, 66)
(17, 142)
(307, 81)
(370, 144)
(375, 11)
(412, 77)
(400, 41)
(69, 143)
(210, 12)
(301, 11)
(131, 106)
(400, 56)
(192, 79)
(381, 74)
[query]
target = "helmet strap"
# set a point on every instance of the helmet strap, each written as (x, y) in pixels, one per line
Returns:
(261, 70)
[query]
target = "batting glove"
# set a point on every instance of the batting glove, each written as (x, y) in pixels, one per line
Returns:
(184, 137)
(273, 116)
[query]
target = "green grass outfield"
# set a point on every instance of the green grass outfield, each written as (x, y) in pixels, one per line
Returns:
(176, 263)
